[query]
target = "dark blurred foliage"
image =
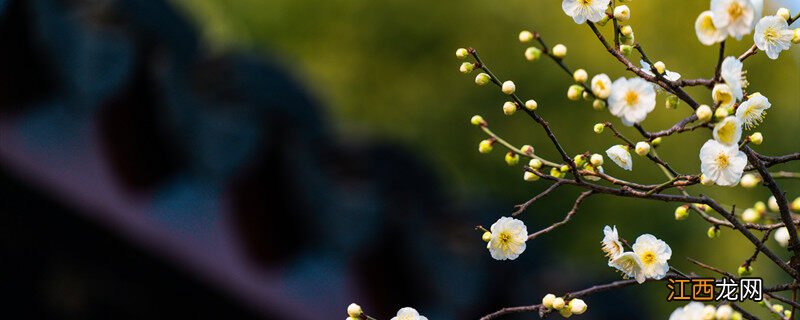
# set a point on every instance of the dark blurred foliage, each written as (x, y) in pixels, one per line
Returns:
(190, 130)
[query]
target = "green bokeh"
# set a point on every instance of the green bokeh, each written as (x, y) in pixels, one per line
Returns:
(387, 69)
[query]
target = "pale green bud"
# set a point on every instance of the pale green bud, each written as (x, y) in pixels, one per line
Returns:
(564, 168)
(462, 53)
(482, 79)
(547, 300)
(558, 303)
(533, 53)
(525, 36)
(760, 206)
(509, 87)
(795, 206)
(660, 67)
(487, 236)
(626, 50)
(512, 158)
(626, 30)
(579, 160)
(574, 92)
(703, 113)
(509, 108)
(485, 146)
(745, 271)
(672, 102)
(749, 180)
(527, 149)
(560, 51)
(535, 164)
(477, 121)
(599, 105)
(756, 138)
(796, 37)
(529, 176)
(721, 113)
(598, 128)
(713, 232)
(681, 213)
(467, 67)
(656, 142)
(354, 310)
(580, 76)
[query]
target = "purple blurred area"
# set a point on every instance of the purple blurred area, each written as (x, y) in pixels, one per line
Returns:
(142, 177)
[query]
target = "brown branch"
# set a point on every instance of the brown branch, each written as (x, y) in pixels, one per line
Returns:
(752, 258)
(522, 207)
(566, 219)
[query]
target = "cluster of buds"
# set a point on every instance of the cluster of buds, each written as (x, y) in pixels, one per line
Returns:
(565, 308)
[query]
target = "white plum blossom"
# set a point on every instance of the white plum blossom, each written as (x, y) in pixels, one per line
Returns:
(722, 164)
(630, 265)
(653, 254)
(601, 86)
(621, 156)
(669, 75)
(707, 33)
(508, 239)
(692, 311)
(734, 17)
(733, 75)
(408, 314)
(631, 100)
(728, 131)
(611, 244)
(782, 236)
(773, 36)
(582, 10)
(752, 111)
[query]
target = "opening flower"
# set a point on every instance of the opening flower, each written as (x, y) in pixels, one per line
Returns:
(582, 10)
(408, 314)
(669, 75)
(752, 111)
(653, 254)
(508, 239)
(631, 100)
(723, 95)
(621, 156)
(721, 163)
(735, 17)
(630, 265)
(601, 86)
(733, 75)
(707, 33)
(773, 36)
(728, 131)
(611, 244)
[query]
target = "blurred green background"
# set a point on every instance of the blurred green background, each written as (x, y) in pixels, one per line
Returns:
(387, 70)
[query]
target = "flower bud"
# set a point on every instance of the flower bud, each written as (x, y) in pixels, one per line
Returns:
(603, 21)
(713, 232)
(622, 13)
(724, 312)
(462, 53)
(558, 303)
(512, 158)
(548, 299)
(705, 180)
(703, 113)
(574, 92)
(656, 142)
(642, 148)
(477, 121)
(577, 306)
(709, 312)
(760, 206)
(533, 53)
(580, 76)
(598, 128)
(564, 168)
(556, 173)
(660, 67)
(782, 236)
(599, 105)
(467, 67)
(485, 146)
(751, 215)
(749, 180)
(721, 113)
(482, 79)
(672, 102)
(756, 138)
(784, 14)
(736, 316)
(596, 160)
(535, 164)
(529, 176)
(681, 213)
(351, 318)
(787, 314)
(796, 37)
(772, 204)
(509, 87)
(487, 236)
(626, 50)
(778, 308)
(560, 51)
(509, 108)
(795, 206)
(565, 312)
(526, 149)
(630, 40)
(579, 160)
(626, 30)
(354, 310)
(531, 105)
(525, 36)
(744, 271)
